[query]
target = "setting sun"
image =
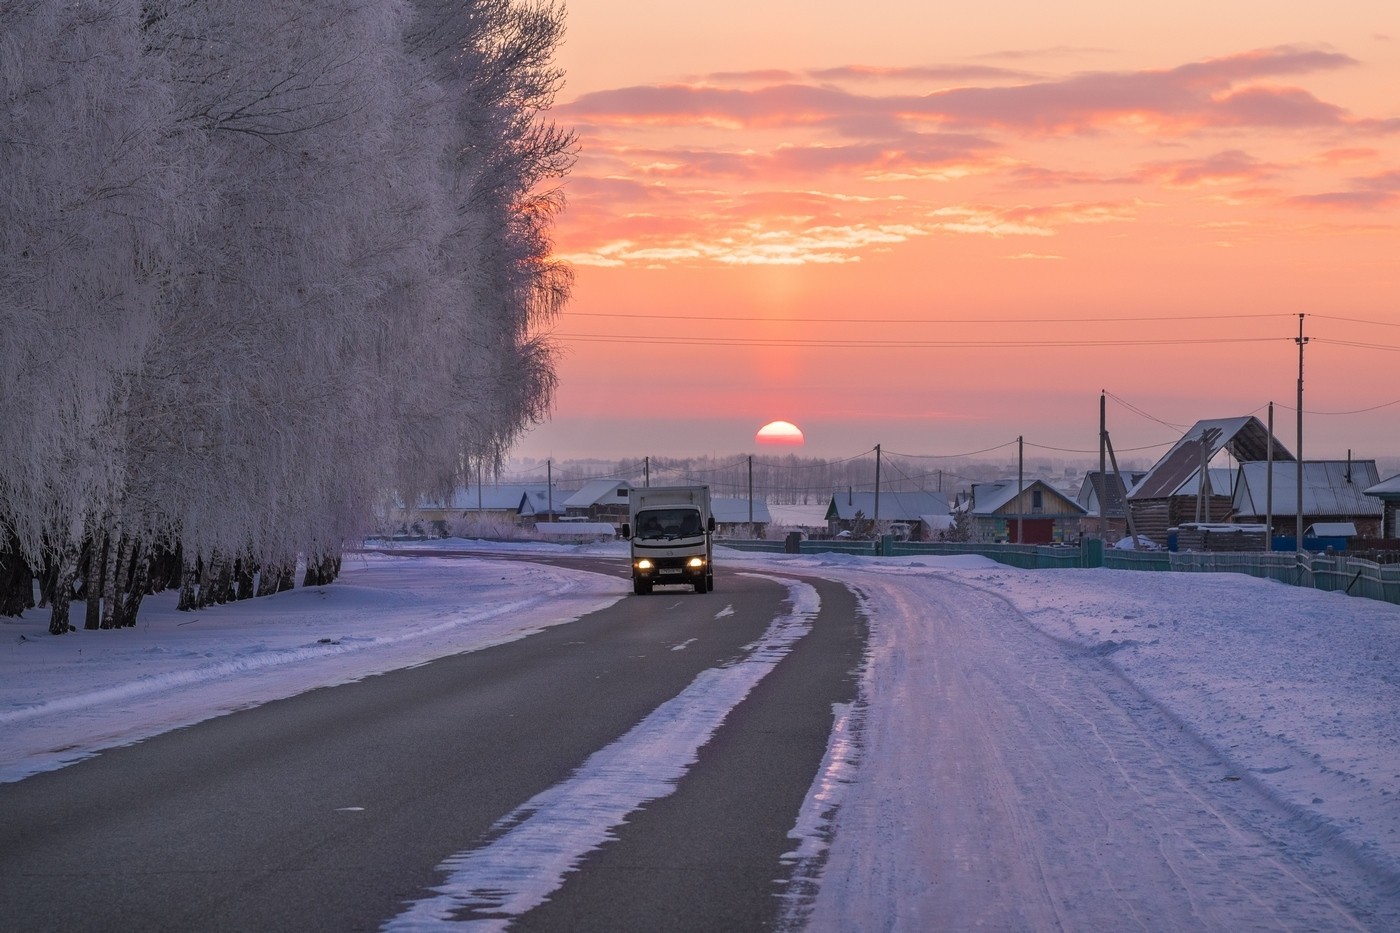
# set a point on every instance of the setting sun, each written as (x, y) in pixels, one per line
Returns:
(780, 434)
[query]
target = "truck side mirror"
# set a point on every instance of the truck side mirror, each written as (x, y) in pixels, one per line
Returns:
(711, 524)
(626, 529)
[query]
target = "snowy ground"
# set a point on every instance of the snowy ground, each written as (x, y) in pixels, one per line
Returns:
(1295, 692)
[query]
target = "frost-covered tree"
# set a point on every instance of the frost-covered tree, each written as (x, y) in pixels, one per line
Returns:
(493, 59)
(91, 201)
(266, 264)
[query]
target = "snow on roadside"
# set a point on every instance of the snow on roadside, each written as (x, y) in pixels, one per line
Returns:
(65, 698)
(1297, 689)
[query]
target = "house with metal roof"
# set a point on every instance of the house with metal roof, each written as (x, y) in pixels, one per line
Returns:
(1184, 487)
(1334, 491)
(1030, 511)
(732, 517)
(601, 500)
(907, 507)
(503, 504)
(1388, 492)
(1110, 520)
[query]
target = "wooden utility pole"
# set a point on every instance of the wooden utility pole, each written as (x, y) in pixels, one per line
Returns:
(1302, 341)
(1020, 489)
(877, 488)
(1103, 475)
(1127, 513)
(1269, 488)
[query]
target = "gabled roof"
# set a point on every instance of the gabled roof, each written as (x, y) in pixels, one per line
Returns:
(1091, 491)
(991, 498)
(538, 500)
(1245, 438)
(599, 492)
(894, 506)
(736, 511)
(1326, 489)
(1386, 489)
(485, 498)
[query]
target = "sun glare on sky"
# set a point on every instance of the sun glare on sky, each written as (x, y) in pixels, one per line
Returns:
(943, 232)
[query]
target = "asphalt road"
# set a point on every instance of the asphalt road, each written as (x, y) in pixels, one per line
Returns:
(333, 809)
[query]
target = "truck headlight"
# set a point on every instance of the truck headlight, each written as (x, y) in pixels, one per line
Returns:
(643, 564)
(696, 562)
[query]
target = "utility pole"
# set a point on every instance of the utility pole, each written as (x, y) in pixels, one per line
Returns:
(1269, 488)
(1127, 512)
(1103, 474)
(549, 485)
(877, 488)
(1302, 341)
(646, 472)
(750, 493)
(1020, 488)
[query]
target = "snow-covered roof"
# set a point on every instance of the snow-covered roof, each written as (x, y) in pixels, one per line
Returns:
(1386, 489)
(1331, 530)
(736, 511)
(1245, 438)
(484, 498)
(599, 492)
(538, 500)
(990, 498)
(1330, 487)
(894, 506)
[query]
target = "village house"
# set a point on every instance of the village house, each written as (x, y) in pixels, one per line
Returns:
(1388, 492)
(1022, 512)
(732, 518)
(1173, 492)
(1110, 520)
(905, 508)
(1334, 492)
(508, 505)
(601, 500)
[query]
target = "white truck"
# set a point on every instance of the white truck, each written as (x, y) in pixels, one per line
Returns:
(671, 530)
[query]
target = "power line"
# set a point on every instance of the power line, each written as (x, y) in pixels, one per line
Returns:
(653, 319)
(1356, 320)
(1355, 343)
(845, 344)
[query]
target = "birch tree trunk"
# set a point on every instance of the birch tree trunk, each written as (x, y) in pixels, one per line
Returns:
(136, 590)
(116, 578)
(96, 573)
(189, 579)
(65, 571)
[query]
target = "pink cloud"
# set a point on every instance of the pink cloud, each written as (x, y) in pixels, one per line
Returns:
(1367, 193)
(1232, 166)
(1181, 100)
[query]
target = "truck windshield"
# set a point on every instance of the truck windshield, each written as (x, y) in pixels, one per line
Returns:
(668, 523)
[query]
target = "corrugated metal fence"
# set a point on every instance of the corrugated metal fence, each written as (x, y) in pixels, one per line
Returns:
(1331, 572)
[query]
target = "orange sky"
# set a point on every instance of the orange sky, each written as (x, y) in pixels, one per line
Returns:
(890, 225)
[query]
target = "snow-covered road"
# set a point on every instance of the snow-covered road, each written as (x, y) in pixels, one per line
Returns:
(1014, 781)
(1055, 749)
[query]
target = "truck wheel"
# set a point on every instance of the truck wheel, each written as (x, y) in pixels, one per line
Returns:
(641, 587)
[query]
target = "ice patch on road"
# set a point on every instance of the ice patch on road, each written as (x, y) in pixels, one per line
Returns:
(550, 834)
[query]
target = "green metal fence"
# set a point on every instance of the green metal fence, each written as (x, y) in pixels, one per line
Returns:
(1330, 572)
